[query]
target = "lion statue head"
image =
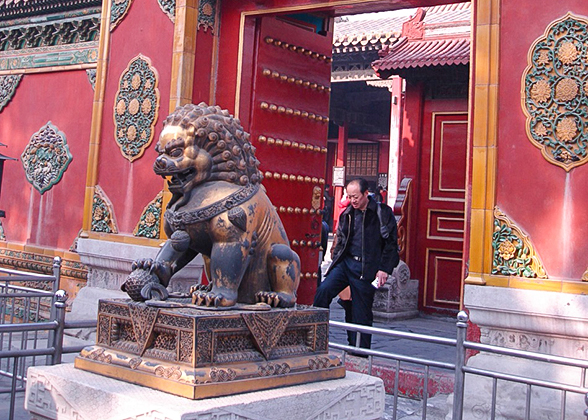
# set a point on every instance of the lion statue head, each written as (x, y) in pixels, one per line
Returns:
(201, 143)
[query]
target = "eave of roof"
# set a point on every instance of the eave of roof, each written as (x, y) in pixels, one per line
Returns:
(425, 52)
(372, 33)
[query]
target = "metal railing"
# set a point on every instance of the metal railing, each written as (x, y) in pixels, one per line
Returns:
(32, 325)
(399, 359)
(460, 368)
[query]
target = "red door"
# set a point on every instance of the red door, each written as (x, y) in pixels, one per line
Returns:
(440, 223)
(289, 125)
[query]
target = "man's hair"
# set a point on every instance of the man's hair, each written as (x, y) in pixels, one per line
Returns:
(362, 183)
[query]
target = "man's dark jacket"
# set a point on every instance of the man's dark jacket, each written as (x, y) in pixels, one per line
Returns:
(378, 253)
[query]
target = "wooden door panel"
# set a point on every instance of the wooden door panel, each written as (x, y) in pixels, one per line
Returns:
(442, 267)
(289, 126)
(441, 205)
(447, 145)
(445, 225)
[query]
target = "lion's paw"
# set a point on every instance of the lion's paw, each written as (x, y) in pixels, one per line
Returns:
(276, 299)
(202, 298)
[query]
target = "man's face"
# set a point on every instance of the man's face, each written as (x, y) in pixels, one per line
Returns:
(358, 200)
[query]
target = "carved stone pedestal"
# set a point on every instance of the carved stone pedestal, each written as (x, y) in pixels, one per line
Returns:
(398, 297)
(198, 353)
(64, 393)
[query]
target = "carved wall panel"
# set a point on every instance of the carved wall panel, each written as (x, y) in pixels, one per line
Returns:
(58, 55)
(72, 39)
(72, 29)
(555, 92)
(118, 11)
(150, 222)
(169, 8)
(514, 254)
(102, 213)
(92, 77)
(8, 86)
(46, 157)
(207, 14)
(135, 107)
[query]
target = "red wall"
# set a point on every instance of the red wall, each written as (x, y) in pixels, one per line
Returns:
(130, 186)
(544, 200)
(54, 218)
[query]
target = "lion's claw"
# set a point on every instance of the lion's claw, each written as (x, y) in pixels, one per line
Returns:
(211, 299)
(142, 264)
(206, 299)
(275, 299)
(201, 288)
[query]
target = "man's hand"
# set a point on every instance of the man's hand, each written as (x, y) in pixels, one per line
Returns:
(381, 276)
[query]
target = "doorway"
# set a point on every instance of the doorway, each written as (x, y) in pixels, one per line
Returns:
(287, 103)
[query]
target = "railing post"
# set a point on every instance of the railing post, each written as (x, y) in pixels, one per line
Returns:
(60, 305)
(13, 393)
(56, 273)
(54, 289)
(458, 388)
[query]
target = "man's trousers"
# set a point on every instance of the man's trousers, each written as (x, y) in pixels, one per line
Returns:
(348, 273)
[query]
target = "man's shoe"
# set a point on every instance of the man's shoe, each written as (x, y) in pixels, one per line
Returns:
(352, 353)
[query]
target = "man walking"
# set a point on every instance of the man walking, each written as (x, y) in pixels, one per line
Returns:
(366, 249)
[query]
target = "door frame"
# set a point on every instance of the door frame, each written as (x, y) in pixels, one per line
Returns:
(482, 121)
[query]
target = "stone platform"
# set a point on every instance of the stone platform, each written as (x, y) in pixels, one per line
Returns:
(63, 392)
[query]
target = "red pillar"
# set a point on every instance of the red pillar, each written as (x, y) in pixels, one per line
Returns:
(341, 160)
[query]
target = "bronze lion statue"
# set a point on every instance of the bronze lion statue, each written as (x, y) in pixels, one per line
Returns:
(218, 209)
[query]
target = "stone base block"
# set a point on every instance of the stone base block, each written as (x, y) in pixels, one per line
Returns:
(109, 264)
(545, 322)
(63, 392)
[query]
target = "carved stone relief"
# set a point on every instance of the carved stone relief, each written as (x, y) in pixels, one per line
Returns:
(135, 108)
(8, 86)
(169, 8)
(149, 224)
(2, 235)
(118, 11)
(207, 14)
(41, 263)
(555, 92)
(102, 213)
(92, 77)
(46, 157)
(513, 252)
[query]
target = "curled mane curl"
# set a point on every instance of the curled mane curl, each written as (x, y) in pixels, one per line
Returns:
(223, 137)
